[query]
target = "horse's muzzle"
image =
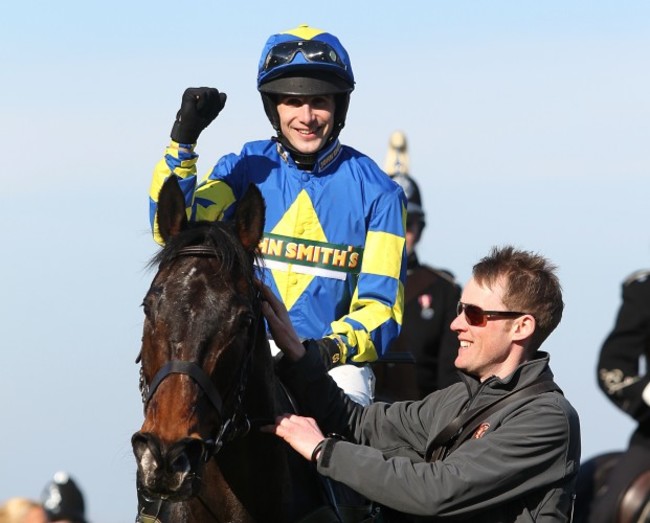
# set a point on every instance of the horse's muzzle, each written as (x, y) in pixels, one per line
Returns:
(168, 471)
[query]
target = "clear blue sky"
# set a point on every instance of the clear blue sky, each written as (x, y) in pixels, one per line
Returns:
(527, 124)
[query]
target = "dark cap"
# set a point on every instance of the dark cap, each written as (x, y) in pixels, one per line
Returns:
(62, 499)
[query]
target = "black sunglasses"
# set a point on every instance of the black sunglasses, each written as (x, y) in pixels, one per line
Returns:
(312, 50)
(477, 317)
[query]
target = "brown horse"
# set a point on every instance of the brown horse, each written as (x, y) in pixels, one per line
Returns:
(207, 380)
(634, 502)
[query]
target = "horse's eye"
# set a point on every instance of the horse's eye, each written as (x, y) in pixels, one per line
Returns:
(150, 300)
(146, 308)
(246, 321)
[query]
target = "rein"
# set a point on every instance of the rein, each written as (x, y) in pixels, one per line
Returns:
(235, 425)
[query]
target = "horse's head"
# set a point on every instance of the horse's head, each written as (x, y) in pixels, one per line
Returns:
(202, 316)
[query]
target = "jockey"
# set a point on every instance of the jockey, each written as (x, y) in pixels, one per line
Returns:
(333, 245)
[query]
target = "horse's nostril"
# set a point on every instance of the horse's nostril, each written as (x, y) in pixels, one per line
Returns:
(180, 463)
(194, 451)
(185, 456)
(139, 439)
(140, 443)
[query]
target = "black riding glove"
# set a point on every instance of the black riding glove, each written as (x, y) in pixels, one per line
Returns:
(330, 352)
(199, 107)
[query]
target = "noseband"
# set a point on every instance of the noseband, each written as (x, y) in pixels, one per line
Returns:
(235, 425)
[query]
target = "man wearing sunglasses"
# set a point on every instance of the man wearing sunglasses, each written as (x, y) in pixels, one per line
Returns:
(333, 245)
(519, 460)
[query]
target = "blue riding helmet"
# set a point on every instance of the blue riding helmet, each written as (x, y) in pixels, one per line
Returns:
(305, 61)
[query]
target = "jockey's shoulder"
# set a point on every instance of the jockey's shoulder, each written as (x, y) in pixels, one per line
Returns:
(640, 276)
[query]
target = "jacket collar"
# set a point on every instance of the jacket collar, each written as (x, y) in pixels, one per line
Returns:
(324, 158)
(524, 374)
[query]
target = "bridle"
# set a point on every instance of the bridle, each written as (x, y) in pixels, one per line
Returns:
(236, 424)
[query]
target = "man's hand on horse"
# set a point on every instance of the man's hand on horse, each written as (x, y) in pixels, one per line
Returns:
(277, 317)
(300, 432)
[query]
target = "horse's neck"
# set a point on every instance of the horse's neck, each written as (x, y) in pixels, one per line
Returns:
(247, 478)
(194, 511)
(261, 395)
(218, 500)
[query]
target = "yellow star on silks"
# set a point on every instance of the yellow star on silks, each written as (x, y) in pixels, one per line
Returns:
(299, 221)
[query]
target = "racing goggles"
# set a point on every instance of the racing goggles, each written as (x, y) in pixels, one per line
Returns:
(312, 50)
(477, 317)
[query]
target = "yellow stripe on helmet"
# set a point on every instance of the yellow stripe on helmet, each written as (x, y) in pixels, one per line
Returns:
(304, 32)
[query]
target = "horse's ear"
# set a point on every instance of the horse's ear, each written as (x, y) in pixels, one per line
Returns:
(171, 216)
(249, 218)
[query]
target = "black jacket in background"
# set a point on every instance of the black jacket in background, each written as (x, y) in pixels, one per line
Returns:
(619, 365)
(430, 300)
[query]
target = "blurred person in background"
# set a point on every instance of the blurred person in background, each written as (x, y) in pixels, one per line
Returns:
(421, 359)
(22, 510)
(622, 375)
(63, 501)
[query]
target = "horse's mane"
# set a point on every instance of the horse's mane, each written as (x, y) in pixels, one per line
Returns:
(219, 236)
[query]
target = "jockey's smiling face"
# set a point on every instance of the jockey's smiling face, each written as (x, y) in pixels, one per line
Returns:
(306, 121)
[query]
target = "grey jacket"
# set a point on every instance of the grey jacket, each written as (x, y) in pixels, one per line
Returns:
(522, 466)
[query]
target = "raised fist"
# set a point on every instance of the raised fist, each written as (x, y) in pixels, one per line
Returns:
(199, 107)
